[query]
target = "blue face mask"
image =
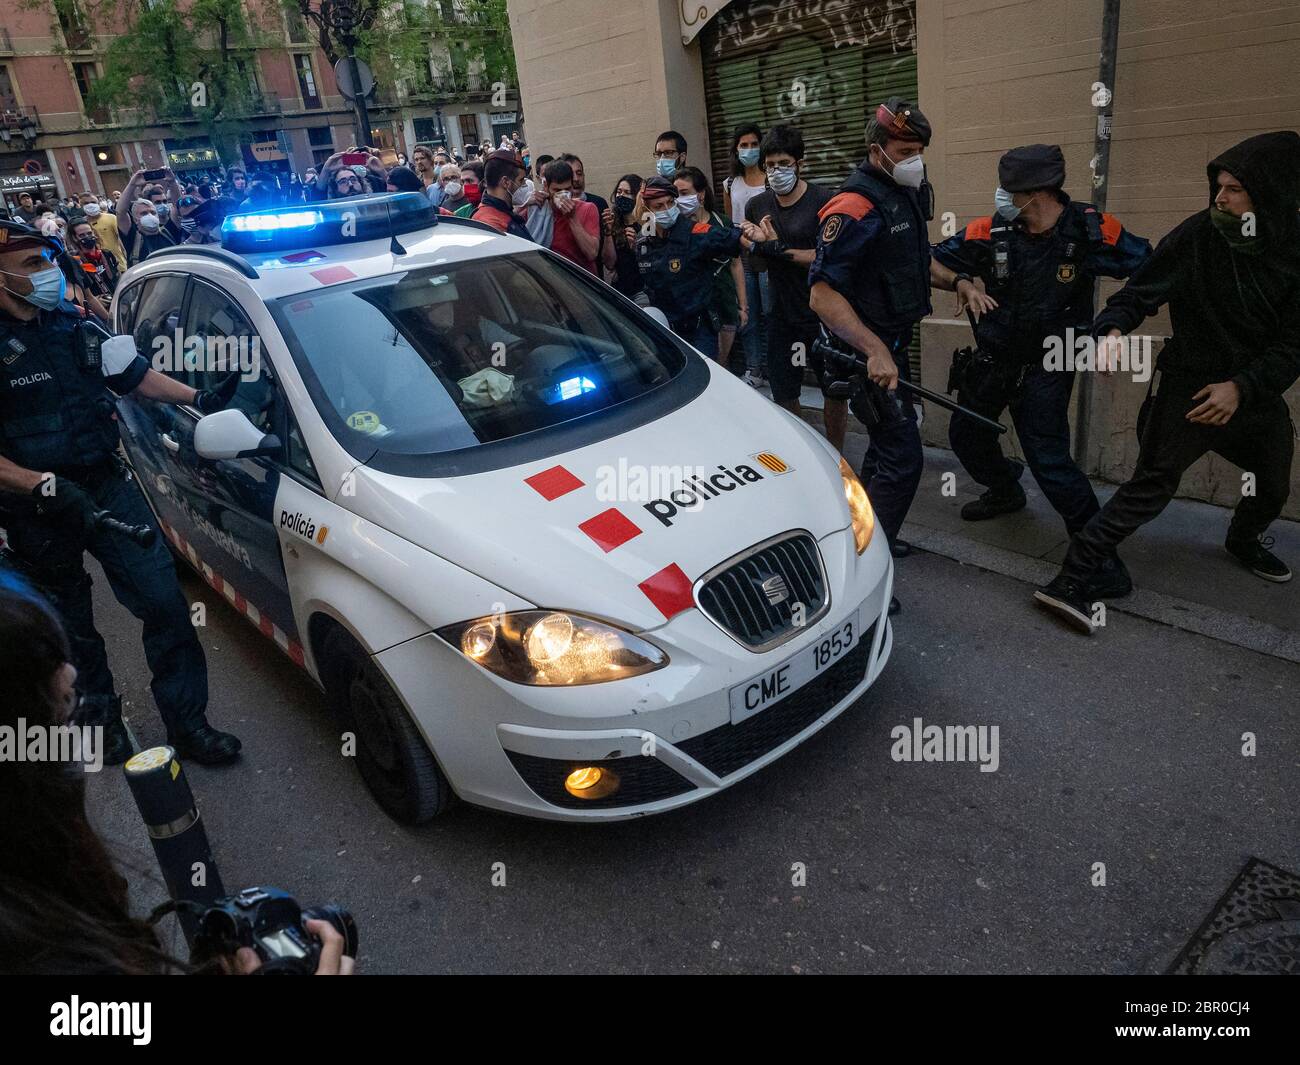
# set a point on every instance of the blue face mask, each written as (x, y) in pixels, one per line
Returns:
(666, 167)
(1006, 207)
(48, 287)
(748, 156)
(668, 218)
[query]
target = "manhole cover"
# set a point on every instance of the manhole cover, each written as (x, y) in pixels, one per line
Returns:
(1255, 928)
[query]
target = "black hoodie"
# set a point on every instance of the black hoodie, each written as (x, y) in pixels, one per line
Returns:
(1235, 316)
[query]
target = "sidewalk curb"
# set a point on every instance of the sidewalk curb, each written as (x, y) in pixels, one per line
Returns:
(1258, 636)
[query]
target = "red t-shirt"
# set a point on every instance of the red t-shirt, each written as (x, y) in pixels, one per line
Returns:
(563, 242)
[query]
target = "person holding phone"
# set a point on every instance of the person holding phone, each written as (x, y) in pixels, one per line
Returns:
(356, 172)
(141, 226)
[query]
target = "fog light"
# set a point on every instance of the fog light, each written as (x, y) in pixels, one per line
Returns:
(591, 782)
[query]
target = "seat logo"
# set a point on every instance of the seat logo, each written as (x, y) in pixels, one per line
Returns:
(776, 590)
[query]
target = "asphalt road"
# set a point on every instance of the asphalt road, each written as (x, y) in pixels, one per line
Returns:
(1124, 749)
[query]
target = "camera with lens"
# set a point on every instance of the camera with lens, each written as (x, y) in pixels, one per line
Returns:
(271, 922)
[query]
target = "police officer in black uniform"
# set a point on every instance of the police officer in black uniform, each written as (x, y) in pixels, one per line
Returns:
(676, 259)
(871, 285)
(59, 468)
(1036, 262)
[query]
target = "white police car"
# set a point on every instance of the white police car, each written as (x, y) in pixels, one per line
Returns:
(538, 551)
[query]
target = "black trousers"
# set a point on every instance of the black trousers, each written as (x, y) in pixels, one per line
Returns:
(1259, 438)
(143, 580)
(1040, 409)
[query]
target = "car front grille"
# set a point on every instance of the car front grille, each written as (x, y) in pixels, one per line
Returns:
(767, 594)
(641, 780)
(725, 749)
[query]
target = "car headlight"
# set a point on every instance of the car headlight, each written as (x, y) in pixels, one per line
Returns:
(551, 647)
(864, 518)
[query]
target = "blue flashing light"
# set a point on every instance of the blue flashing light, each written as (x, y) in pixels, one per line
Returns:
(570, 388)
(273, 222)
(348, 221)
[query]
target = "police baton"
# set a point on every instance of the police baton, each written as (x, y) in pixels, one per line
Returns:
(139, 534)
(180, 842)
(834, 348)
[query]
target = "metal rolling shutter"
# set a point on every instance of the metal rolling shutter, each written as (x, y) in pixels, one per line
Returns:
(842, 56)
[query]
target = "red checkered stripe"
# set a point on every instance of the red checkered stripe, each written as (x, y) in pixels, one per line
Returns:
(223, 587)
(669, 589)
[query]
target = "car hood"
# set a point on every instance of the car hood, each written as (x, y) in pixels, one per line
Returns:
(620, 529)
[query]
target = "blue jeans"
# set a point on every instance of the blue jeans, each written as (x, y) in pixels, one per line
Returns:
(1040, 410)
(754, 336)
(891, 468)
(143, 580)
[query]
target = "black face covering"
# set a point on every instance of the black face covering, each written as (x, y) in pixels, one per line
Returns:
(86, 242)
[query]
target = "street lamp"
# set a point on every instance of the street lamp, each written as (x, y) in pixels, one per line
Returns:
(345, 18)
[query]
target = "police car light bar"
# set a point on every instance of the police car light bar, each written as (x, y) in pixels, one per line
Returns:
(333, 222)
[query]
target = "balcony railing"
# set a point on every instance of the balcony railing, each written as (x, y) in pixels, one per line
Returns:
(6, 42)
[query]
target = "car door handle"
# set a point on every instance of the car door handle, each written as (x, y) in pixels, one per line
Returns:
(168, 442)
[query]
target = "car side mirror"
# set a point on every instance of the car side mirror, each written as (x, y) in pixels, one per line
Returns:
(658, 316)
(228, 434)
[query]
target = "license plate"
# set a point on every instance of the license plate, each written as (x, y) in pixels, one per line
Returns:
(761, 692)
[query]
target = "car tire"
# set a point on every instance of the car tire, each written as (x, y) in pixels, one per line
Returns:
(392, 757)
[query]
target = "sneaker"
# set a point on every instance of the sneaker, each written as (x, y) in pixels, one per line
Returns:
(1256, 557)
(1112, 581)
(900, 549)
(994, 502)
(208, 746)
(752, 379)
(1070, 599)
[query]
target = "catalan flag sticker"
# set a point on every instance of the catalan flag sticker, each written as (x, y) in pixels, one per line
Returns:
(772, 462)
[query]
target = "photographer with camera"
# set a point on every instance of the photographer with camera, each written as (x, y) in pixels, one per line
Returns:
(1027, 274)
(59, 470)
(63, 903)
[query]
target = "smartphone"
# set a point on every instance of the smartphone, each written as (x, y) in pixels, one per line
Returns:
(355, 159)
(155, 175)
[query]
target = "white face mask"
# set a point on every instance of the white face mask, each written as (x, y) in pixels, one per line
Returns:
(520, 196)
(149, 223)
(688, 204)
(909, 173)
(783, 179)
(92, 210)
(453, 189)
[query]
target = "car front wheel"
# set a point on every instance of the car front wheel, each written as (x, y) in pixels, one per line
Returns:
(397, 766)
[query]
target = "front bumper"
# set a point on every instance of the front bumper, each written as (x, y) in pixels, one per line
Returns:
(670, 739)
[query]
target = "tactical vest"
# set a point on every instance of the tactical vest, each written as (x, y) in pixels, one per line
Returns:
(1041, 291)
(54, 415)
(680, 283)
(891, 287)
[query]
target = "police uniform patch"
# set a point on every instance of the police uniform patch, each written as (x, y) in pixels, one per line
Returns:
(831, 229)
(675, 265)
(1065, 273)
(17, 349)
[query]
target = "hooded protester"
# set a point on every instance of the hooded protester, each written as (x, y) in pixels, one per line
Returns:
(1231, 276)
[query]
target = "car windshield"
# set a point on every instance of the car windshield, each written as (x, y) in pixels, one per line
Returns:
(443, 358)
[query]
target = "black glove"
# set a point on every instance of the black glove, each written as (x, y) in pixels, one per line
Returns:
(63, 500)
(211, 400)
(772, 249)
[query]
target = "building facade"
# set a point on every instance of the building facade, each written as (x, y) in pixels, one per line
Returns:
(603, 77)
(53, 143)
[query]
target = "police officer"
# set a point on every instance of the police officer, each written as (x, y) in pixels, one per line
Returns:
(871, 284)
(676, 261)
(59, 467)
(1230, 274)
(1036, 262)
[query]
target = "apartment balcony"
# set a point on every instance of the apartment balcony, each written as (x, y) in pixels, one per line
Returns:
(6, 42)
